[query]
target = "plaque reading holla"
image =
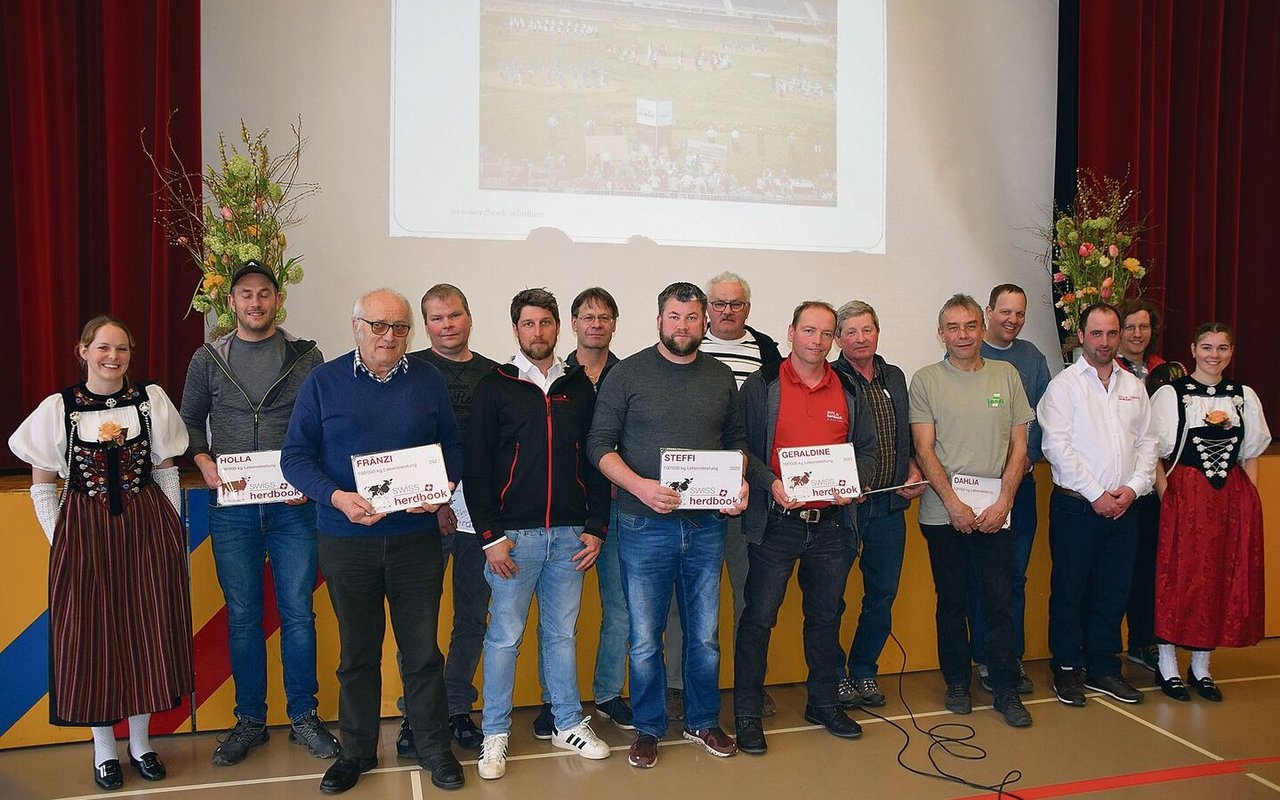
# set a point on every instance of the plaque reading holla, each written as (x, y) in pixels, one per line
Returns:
(705, 479)
(394, 480)
(249, 478)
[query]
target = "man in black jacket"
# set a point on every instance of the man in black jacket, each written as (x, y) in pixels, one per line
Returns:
(800, 403)
(882, 526)
(540, 510)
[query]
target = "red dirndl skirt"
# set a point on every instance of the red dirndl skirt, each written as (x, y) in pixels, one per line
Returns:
(120, 615)
(1209, 567)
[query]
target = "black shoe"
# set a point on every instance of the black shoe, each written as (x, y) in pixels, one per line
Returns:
(617, 710)
(675, 703)
(834, 720)
(544, 724)
(984, 677)
(1205, 687)
(465, 732)
(1025, 686)
(446, 772)
(150, 767)
(405, 746)
(958, 700)
(872, 697)
(750, 735)
(1010, 707)
(1173, 687)
(237, 742)
(309, 731)
(848, 693)
(1146, 656)
(344, 773)
(1114, 686)
(108, 775)
(1068, 684)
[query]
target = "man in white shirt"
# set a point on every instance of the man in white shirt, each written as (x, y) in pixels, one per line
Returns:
(1095, 420)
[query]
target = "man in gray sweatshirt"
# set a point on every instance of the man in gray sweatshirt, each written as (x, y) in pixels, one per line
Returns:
(240, 390)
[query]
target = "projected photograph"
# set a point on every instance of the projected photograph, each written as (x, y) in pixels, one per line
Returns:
(731, 100)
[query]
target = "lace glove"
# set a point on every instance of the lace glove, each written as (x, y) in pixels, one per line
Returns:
(167, 480)
(44, 496)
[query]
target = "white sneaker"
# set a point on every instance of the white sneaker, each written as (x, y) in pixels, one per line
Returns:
(582, 740)
(493, 757)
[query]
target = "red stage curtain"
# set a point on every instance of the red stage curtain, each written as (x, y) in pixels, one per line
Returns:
(1186, 95)
(77, 233)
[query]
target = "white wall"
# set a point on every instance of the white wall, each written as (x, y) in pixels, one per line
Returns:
(971, 110)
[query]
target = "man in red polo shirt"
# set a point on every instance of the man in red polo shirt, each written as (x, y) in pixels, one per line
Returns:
(801, 402)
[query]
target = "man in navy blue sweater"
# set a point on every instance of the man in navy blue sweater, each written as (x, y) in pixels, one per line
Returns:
(368, 401)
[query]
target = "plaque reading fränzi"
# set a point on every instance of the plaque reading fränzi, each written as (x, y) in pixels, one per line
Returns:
(705, 479)
(819, 472)
(249, 478)
(394, 480)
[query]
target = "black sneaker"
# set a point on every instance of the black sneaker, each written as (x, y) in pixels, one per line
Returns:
(1010, 707)
(465, 732)
(675, 704)
(405, 746)
(984, 677)
(768, 707)
(1025, 686)
(872, 697)
(544, 725)
(848, 694)
(1068, 684)
(236, 743)
(618, 711)
(958, 700)
(1114, 686)
(309, 730)
(1147, 656)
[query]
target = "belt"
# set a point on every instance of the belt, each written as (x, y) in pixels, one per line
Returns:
(809, 515)
(1069, 493)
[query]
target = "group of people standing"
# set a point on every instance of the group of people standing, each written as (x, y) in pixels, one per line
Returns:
(554, 468)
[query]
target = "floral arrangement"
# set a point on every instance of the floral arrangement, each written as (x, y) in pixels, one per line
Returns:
(111, 434)
(237, 210)
(1218, 418)
(1089, 248)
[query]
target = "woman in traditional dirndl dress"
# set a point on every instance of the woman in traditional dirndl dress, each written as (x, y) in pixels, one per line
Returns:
(119, 611)
(1209, 568)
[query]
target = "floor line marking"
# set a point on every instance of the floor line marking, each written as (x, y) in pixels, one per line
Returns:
(1158, 729)
(1262, 781)
(415, 784)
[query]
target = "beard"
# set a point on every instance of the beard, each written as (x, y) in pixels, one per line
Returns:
(538, 351)
(673, 345)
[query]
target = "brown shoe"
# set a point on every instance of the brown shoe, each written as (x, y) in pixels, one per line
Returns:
(717, 742)
(644, 751)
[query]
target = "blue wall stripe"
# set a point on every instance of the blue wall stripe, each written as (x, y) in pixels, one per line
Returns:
(197, 518)
(25, 667)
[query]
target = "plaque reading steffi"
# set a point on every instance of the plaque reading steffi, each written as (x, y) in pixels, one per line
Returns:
(249, 478)
(394, 480)
(819, 472)
(705, 479)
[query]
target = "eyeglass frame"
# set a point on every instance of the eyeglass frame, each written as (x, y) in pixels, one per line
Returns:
(394, 327)
(728, 305)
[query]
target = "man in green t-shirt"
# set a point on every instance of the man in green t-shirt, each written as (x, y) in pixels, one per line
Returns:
(969, 420)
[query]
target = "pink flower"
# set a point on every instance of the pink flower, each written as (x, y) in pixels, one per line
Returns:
(226, 212)
(1105, 293)
(1113, 251)
(1058, 277)
(1086, 250)
(1108, 282)
(182, 240)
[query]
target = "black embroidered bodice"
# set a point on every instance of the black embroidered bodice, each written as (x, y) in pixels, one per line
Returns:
(1212, 449)
(105, 471)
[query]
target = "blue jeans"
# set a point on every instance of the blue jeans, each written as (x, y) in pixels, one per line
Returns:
(686, 552)
(820, 548)
(611, 658)
(1023, 522)
(884, 537)
(243, 537)
(542, 556)
(1092, 567)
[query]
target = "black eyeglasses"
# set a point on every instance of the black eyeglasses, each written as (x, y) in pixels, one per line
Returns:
(399, 329)
(735, 305)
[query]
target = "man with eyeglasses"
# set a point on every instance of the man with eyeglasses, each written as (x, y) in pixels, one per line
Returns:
(372, 400)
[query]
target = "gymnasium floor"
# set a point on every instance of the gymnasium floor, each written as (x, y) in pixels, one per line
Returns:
(1160, 749)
